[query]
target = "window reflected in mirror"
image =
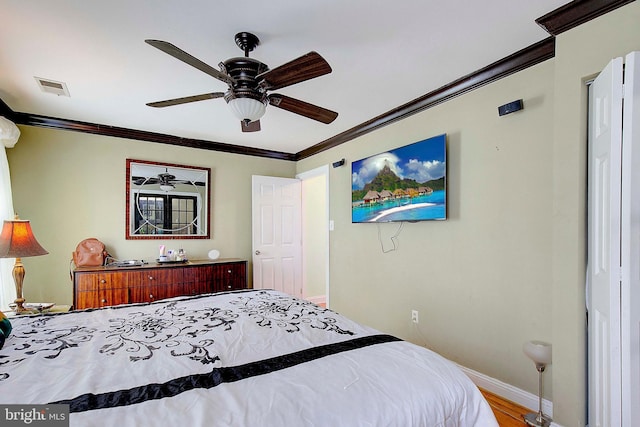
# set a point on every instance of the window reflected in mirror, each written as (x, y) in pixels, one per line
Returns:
(167, 201)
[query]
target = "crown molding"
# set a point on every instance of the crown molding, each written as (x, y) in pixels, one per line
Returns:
(576, 13)
(518, 61)
(562, 19)
(119, 132)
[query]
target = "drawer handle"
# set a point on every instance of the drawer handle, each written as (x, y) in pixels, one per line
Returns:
(228, 286)
(150, 277)
(151, 296)
(103, 281)
(229, 271)
(104, 301)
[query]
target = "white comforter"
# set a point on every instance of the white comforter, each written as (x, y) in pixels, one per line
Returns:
(247, 358)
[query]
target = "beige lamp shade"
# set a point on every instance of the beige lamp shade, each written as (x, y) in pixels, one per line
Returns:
(17, 240)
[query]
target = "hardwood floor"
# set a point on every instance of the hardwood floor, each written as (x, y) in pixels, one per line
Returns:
(507, 413)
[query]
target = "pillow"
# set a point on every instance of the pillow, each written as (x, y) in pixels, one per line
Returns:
(5, 328)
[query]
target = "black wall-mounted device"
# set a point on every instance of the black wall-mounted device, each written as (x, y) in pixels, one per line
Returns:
(511, 107)
(338, 163)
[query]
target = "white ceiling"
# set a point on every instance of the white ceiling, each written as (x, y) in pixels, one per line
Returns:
(383, 54)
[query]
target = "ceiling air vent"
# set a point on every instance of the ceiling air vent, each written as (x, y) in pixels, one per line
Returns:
(52, 86)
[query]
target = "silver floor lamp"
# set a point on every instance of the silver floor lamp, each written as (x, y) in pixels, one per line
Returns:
(540, 353)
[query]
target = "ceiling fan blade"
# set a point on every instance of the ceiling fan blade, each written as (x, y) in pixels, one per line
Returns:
(183, 56)
(251, 126)
(302, 108)
(306, 67)
(186, 99)
(143, 180)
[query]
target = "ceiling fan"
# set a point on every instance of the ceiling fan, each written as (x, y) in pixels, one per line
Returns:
(249, 80)
(166, 180)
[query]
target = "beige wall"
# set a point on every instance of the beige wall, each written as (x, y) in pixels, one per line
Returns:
(480, 280)
(314, 236)
(72, 185)
(509, 264)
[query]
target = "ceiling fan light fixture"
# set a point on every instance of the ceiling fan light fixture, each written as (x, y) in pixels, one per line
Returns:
(249, 80)
(166, 187)
(247, 109)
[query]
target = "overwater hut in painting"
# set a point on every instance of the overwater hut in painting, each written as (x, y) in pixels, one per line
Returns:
(403, 184)
(371, 197)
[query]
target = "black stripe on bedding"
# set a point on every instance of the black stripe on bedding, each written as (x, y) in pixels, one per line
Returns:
(217, 376)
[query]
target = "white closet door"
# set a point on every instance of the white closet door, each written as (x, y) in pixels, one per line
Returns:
(605, 139)
(631, 243)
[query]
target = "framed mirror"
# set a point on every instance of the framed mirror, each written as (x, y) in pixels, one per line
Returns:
(167, 201)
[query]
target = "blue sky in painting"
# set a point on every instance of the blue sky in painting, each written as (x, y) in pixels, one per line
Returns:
(423, 161)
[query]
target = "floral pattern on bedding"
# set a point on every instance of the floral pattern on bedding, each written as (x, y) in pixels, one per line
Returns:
(140, 331)
(270, 310)
(169, 327)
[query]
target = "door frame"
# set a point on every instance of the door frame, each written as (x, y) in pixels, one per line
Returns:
(630, 239)
(314, 173)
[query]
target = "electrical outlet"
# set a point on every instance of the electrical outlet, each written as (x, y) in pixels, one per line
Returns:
(414, 316)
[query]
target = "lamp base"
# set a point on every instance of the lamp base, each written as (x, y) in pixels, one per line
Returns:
(19, 306)
(535, 419)
(18, 277)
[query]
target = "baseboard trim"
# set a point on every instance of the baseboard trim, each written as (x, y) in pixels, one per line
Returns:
(509, 392)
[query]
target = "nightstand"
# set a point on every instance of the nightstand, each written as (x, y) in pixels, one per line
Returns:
(57, 308)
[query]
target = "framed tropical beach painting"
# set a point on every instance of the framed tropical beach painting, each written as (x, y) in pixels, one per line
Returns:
(404, 184)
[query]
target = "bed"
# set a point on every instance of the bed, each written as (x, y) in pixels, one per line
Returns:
(244, 358)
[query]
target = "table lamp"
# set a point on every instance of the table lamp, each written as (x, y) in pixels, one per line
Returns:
(17, 241)
(540, 353)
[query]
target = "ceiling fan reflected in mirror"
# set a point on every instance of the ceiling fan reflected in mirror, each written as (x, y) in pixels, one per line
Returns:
(166, 180)
(250, 80)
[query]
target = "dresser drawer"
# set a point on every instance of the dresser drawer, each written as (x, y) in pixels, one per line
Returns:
(103, 286)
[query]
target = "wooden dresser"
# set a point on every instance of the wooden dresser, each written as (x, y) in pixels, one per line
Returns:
(103, 286)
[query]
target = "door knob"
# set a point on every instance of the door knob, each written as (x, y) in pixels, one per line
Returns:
(257, 252)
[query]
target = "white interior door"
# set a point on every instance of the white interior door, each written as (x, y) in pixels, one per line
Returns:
(604, 273)
(277, 234)
(631, 243)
